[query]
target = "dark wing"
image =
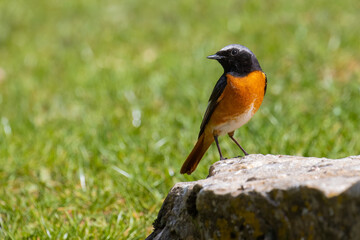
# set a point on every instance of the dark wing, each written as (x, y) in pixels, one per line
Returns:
(213, 101)
(265, 84)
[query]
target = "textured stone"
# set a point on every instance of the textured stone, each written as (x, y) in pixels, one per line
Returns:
(266, 197)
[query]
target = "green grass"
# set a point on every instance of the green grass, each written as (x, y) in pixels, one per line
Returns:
(101, 101)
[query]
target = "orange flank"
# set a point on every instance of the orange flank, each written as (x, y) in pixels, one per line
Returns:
(241, 96)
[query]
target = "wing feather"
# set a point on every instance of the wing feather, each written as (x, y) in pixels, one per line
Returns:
(213, 101)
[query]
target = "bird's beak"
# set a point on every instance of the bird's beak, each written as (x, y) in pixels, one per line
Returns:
(215, 56)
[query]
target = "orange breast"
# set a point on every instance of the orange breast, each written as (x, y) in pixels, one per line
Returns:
(242, 95)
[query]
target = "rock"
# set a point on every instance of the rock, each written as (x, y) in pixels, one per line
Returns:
(266, 197)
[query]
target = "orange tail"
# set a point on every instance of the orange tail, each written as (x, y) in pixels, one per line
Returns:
(196, 154)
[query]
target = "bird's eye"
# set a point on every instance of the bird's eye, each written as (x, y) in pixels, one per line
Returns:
(234, 52)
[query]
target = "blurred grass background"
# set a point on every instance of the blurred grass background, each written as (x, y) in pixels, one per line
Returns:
(101, 102)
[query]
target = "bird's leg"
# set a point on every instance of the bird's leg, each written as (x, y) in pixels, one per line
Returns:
(218, 147)
(231, 135)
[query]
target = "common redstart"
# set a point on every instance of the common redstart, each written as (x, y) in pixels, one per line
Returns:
(236, 97)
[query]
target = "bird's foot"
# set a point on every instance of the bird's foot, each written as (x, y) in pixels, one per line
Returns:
(243, 156)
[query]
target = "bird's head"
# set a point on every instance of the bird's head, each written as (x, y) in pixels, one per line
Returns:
(236, 59)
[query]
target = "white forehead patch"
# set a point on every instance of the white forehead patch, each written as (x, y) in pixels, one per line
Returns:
(237, 46)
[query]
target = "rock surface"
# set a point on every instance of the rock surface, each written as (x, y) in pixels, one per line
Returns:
(266, 197)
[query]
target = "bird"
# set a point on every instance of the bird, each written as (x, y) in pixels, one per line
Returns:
(236, 97)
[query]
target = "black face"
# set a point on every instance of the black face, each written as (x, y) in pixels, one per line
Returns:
(237, 61)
